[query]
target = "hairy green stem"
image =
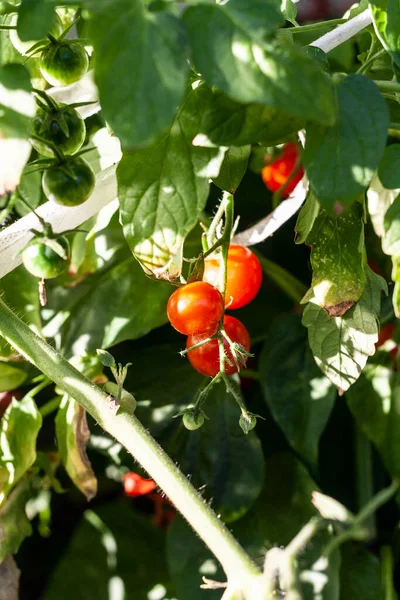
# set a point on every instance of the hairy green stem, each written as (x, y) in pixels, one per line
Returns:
(387, 573)
(364, 476)
(316, 26)
(128, 430)
(387, 86)
(365, 66)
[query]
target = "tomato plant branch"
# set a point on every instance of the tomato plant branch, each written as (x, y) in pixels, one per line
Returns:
(344, 32)
(387, 573)
(316, 26)
(387, 86)
(128, 430)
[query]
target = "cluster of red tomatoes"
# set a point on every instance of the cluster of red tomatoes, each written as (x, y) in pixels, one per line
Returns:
(286, 168)
(197, 310)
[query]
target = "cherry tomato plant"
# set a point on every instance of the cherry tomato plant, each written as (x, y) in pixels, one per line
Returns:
(199, 301)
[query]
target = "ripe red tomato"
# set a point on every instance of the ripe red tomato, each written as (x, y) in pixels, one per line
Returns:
(205, 359)
(195, 307)
(244, 276)
(277, 173)
(135, 485)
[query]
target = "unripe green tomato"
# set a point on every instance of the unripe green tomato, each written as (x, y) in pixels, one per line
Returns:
(51, 126)
(23, 47)
(43, 262)
(191, 423)
(64, 63)
(69, 184)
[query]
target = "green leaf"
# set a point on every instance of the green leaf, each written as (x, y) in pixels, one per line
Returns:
(19, 291)
(282, 509)
(72, 435)
(306, 219)
(30, 191)
(374, 402)
(341, 160)
(299, 397)
(215, 449)
(396, 280)
(17, 105)
(19, 428)
(289, 9)
(35, 19)
(14, 524)
(360, 574)
(386, 20)
(152, 49)
(230, 52)
(342, 345)
(219, 447)
(233, 168)
(114, 548)
(389, 167)
(163, 189)
(337, 259)
(229, 123)
(391, 224)
(379, 199)
(116, 303)
(11, 376)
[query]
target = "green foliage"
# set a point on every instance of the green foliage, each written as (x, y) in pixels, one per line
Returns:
(389, 167)
(233, 168)
(386, 15)
(359, 132)
(300, 399)
(19, 428)
(152, 47)
(14, 524)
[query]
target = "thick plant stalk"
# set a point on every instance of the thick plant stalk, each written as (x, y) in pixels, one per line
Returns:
(344, 32)
(127, 429)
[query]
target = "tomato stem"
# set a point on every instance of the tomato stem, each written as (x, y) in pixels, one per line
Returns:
(128, 430)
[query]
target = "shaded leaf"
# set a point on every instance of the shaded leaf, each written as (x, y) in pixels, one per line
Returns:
(230, 52)
(360, 574)
(113, 548)
(72, 435)
(341, 160)
(282, 509)
(299, 397)
(233, 168)
(374, 402)
(341, 345)
(19, 428)
(14, 524)
(389, 167)
(337, 259)
(163, 189)
(152, 48)
(9, 576)
(35, 19)
(11, 376)
(306, 219)
(229, 123)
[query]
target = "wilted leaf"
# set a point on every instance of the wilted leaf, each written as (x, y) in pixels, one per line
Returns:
(72, 436)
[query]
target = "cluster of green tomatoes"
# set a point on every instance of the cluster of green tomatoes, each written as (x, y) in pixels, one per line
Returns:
(57, 133)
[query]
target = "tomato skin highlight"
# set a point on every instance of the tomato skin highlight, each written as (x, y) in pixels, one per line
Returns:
(69, 188)
(205, 359)
(195, 307)
(244, 276)
(278, 172)
(64, 63)
(135, 485)
(46, 125)
(43, 262)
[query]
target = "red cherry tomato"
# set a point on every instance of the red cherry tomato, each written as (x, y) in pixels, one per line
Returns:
(205, 359)
(244, 276)
(195, 307)
(277, 173)
(5, 399)
(385, 334)
(135, 485)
